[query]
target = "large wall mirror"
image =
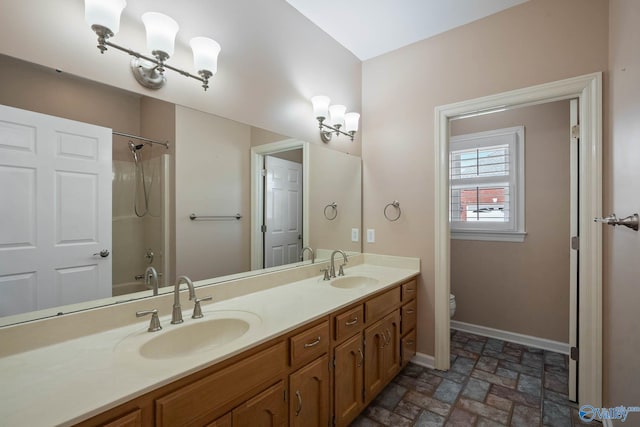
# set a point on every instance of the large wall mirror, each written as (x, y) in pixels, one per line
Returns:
(187, 209)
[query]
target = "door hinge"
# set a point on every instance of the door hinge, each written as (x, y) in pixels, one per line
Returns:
(575, 131)
(575, 243)
(333, 420)
(263, 172)
(263, 228)
(334, 361)
(575, 353)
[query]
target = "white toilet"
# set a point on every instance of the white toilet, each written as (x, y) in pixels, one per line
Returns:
(452, 305)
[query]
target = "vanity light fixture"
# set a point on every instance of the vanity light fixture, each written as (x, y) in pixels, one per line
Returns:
(337, 118)
(104, 18)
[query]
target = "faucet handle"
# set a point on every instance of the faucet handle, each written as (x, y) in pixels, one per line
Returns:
(154, 325)
(326, 273)
(197, 310)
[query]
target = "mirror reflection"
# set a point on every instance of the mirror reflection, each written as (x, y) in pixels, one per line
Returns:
(183, 209)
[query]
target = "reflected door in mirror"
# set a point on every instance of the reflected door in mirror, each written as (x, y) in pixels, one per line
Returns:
(55, 219)
(283, 212)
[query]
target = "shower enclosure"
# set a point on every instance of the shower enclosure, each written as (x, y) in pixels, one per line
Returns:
(140, 215)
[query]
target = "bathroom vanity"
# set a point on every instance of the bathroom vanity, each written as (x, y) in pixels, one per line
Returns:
(288, 350)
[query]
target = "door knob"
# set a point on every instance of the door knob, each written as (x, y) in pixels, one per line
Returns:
(103, 253)
(631, 221)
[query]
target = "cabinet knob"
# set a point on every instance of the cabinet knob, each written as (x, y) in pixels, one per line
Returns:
(299, 404)
(352, 321)
(313, 343)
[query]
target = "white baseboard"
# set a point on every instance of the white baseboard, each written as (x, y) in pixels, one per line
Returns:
(529, 341)
(424, 360)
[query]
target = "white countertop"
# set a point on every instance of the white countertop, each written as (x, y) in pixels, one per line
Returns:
(70, 381)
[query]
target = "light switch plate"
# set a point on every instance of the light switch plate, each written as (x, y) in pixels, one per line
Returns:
(355, 234)
(371, 235)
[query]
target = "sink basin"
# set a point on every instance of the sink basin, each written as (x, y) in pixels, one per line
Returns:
(216, 329)
(353, 282)
(193, 337)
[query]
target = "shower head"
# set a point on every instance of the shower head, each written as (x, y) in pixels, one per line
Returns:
(134, 150)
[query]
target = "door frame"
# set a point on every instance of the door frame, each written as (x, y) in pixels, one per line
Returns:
(588, 90)
(257, 193)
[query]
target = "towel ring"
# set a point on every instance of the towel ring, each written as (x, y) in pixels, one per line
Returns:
(333, 205)
(395, 204)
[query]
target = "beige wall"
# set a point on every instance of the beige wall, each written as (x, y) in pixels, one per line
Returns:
(273, 59)
(622, 175)
(43, 90)
(334, 177)
(523, 287)
(536, 42)
(212, 165)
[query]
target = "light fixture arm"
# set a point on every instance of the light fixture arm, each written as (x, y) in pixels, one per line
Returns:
(327, 134)
(104, 33)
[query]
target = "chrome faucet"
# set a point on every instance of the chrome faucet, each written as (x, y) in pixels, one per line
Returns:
(332, 268)
(176, 315)
(313, 256)
(151, 278)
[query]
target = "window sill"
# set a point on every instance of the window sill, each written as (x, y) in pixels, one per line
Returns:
(495, 236)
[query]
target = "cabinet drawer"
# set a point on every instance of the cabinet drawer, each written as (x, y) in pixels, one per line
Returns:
(409, 316)
(309, 344)
(408, 345)
(349, 323)
(409, 290)
(132, 419)
(198, 402)
(382, 304)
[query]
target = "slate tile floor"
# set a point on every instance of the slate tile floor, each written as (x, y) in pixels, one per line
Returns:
(490, 383)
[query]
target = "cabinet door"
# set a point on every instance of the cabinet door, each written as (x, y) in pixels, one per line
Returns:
(391, 349)
(309, 389)
(374, 368)
(223, 421)
(348, 380)
(267, 409)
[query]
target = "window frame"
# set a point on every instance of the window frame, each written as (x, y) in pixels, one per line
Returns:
(514, 230)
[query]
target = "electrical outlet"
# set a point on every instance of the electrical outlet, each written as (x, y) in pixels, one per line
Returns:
(355, 234)
(371, 235)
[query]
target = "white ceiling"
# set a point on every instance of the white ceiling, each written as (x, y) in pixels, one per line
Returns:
(369, 28)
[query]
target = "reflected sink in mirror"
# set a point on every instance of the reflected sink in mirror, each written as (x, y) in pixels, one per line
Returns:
(353, 282)
(216, 329)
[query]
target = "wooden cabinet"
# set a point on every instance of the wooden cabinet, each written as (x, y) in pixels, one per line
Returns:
(267, 409)
(309, 344)
(223, 421)
(348, 323)
(330, 368)
(382, 354)
(132, 419)
(348, 386)
(408, 347)
(409, 321)
(199, 402)
(309, 391)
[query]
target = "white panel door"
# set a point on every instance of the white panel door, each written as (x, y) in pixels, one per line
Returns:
(55, 211)
(283, 212)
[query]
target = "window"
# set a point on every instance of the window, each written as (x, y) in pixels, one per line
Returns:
(487, 185)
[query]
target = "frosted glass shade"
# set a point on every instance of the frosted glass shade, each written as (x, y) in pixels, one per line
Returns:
(320, 106)
(205, 54)
(161, 32)
(337, 114)
(105, 13)
(351, 122)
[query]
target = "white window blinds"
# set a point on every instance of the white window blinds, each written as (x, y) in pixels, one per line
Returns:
(485, 177)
